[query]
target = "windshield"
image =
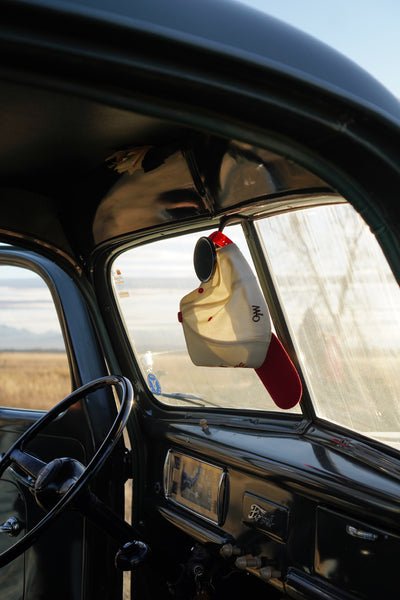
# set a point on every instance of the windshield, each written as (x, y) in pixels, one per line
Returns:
(149, 283)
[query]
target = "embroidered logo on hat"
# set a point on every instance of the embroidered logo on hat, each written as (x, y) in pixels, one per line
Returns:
(226, 322)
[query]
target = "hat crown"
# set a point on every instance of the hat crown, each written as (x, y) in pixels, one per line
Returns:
(226, 320)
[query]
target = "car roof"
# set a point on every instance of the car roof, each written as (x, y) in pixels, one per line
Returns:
(228, 26)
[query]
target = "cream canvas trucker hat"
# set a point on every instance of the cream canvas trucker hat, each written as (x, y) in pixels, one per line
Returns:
(226, 324)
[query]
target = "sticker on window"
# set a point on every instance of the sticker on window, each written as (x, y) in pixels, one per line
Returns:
(120, 284)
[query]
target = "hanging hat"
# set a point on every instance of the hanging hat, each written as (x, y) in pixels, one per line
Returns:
(226, 321)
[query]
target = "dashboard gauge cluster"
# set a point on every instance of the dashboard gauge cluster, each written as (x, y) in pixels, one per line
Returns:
(196, 485)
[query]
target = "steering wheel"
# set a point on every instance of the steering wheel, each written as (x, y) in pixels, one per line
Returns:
(57, 483)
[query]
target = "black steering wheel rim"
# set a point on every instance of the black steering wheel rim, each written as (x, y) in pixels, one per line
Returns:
(90, 470)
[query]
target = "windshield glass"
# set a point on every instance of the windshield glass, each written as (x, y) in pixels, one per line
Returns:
(149, 283)
(343, 307)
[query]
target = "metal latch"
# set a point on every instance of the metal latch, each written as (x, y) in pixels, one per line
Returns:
(12, 527)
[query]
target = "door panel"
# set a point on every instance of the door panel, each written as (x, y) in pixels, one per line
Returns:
(72, 559)
(12, 504)
(47, 566)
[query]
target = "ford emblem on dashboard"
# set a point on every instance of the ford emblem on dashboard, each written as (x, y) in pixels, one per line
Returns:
(266, 515)
(261, 516)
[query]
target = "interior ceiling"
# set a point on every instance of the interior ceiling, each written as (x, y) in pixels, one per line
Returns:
(53, 164)
(57, 190)
(47, 134)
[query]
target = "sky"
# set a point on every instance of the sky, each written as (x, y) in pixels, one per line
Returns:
(366, 31)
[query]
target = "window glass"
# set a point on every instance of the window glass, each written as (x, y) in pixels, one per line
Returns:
(343, 306)
(149, 282)
(34, 370)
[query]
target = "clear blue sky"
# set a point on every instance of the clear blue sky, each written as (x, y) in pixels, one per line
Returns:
(366, 31)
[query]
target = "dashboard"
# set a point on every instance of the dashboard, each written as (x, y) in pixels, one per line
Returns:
(280, 527)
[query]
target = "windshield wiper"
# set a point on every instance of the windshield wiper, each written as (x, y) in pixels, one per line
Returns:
(190, 398)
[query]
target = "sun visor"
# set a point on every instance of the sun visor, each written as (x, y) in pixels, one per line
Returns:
(226, 321)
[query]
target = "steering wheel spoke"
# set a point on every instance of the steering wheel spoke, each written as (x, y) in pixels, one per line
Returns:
(28, 464)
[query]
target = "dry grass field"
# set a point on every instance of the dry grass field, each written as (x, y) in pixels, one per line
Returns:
(35, 380)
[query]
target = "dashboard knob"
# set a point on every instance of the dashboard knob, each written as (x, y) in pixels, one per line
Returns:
(267, 573)
(245, 562)
(229, 550)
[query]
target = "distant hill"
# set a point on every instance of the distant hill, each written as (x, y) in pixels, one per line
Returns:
(12, 338)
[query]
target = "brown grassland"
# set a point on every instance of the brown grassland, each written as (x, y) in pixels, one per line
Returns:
(34, 380)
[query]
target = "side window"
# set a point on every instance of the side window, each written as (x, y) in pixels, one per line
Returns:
(149, 282)
(34, 372)
(343, 306)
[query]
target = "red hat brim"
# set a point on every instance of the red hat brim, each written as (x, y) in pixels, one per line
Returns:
(280, 377)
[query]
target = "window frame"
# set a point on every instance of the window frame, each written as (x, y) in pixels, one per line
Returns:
(72, 311)
(243, 417)
(308, 418)
(180, 231)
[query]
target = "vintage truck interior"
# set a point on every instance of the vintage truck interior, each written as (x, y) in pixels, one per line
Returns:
(136, 464)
